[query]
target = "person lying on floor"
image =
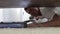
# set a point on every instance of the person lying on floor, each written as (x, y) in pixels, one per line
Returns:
(41, 16)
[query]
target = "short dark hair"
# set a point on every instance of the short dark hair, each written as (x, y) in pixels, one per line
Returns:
(32, 9)
(26, 8)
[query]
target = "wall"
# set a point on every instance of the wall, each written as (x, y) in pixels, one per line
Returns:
(13, 14)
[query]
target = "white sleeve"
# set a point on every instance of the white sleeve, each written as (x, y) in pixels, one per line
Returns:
(41, 20)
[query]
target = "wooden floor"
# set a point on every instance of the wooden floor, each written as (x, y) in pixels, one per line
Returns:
(54, 23)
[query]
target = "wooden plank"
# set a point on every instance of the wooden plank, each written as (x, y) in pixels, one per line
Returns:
(25, 3)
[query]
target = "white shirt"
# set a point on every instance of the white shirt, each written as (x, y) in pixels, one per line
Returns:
(48, 14)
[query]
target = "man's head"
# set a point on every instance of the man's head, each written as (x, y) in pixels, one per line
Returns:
(33, 11)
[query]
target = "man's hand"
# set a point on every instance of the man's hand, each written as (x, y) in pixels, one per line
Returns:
(40, 19)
